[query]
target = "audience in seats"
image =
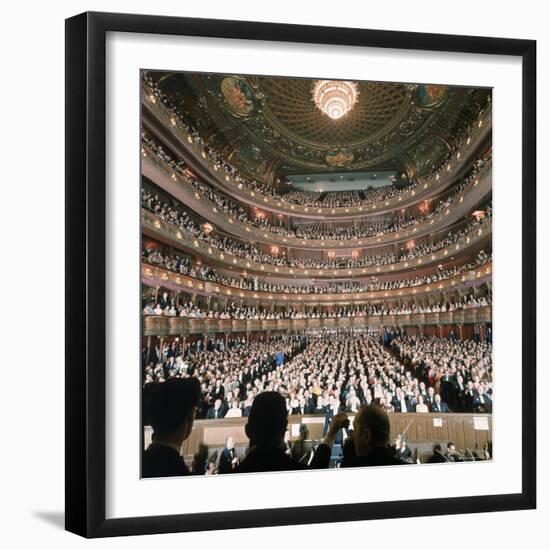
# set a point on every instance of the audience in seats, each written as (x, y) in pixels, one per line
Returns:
(331, 373)
(183, 265)
(179, 218)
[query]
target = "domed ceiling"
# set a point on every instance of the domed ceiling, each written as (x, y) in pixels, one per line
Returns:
(272, 127)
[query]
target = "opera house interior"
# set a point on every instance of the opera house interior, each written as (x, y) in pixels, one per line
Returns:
(329, 241)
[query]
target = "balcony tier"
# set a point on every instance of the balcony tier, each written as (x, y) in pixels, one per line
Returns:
(180, 326)
(172, 235)
(161, 122)
(156, 276)
(182, 189)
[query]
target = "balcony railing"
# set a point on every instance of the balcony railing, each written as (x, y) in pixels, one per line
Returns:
(183, 240)
(156, 276)
(180, 326)
(160, 172)
(257, 198)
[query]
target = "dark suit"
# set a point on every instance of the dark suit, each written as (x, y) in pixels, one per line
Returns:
(268, 459)
(213, 413)
(377, 456)
(397, 405)
(404, 454)
(225, 465)
(441, 408)
(162, 461)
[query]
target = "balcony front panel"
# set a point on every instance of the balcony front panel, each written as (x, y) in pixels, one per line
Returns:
(161, 230)
(177, 326)
(155, 276)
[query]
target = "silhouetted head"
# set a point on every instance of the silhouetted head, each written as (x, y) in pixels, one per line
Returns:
(268, 419)
(172, 408)
(371, 428)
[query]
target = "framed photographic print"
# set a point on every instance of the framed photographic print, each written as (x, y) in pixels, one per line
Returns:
(300, 272)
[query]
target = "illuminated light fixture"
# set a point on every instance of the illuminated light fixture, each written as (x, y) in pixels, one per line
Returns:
(335, 98)
(478, 214)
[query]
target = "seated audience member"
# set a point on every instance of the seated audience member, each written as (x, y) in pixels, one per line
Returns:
(421, 407)
(217, 411)
(402, 450)
(171, 412)
(228, 458)
(452, 453)
(266, 429)
(235, 411)
(371, 440)
(438, 405)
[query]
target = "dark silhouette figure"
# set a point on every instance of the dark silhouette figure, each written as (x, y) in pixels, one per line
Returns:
(172, 405)
(265, 429)
(369, 444)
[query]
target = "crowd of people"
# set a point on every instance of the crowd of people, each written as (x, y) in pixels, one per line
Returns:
(305, 198)
(461, 372)
(169, 307)
(341, 199)
(318, 231)
(337, 371)
(185, 266)
(180, 218)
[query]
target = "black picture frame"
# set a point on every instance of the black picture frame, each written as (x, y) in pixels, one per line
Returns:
(86, 277)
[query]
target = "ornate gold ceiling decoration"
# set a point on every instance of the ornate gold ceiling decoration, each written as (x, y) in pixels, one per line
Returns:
(379, 107)
(335, 98)
(275, 122)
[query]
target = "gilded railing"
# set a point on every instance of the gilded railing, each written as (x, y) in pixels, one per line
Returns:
(182, 239)
(180, 326)
(192, 195)
(156, 276)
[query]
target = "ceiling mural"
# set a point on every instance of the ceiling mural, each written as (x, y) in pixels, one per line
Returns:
(265, 121)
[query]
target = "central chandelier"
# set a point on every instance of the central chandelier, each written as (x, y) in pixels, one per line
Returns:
(335, 98)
